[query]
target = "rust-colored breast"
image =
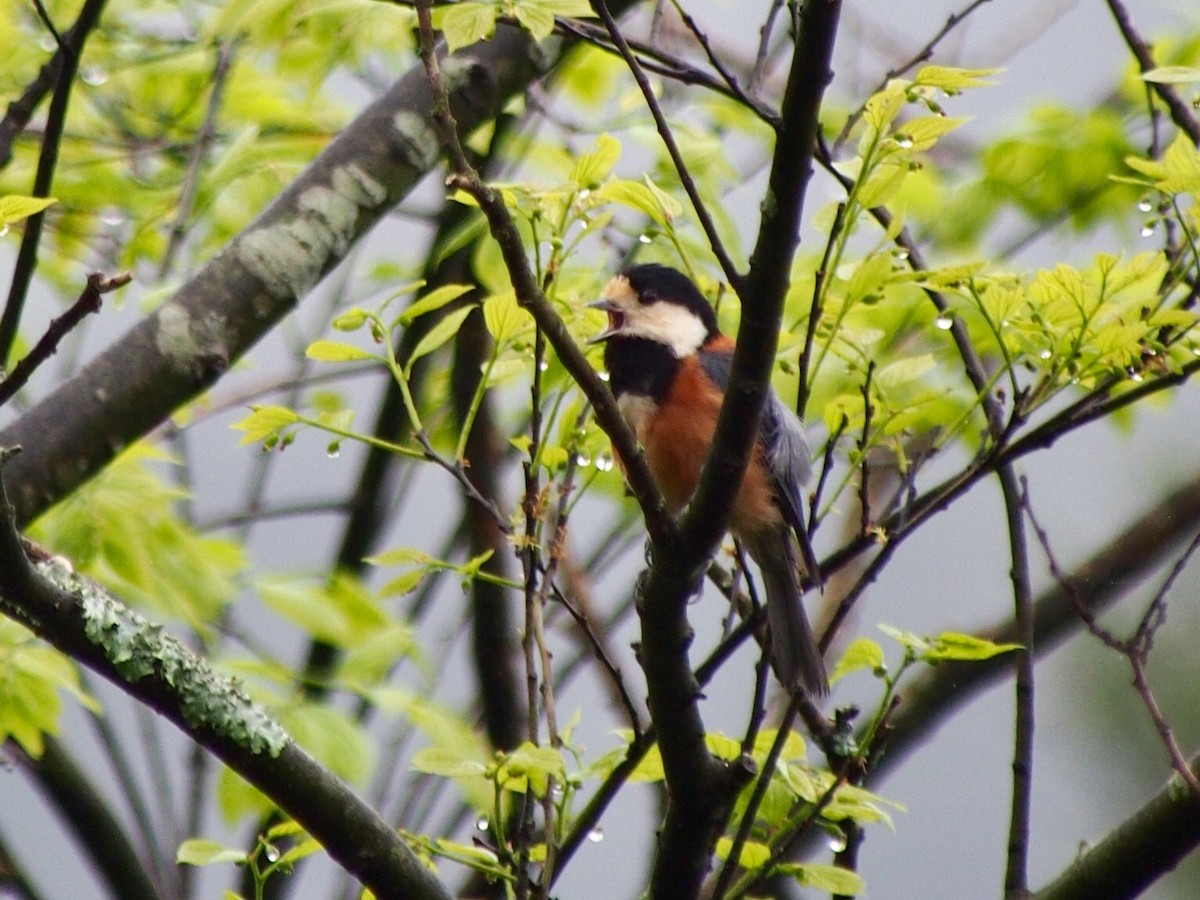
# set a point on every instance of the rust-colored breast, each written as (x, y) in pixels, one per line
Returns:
(677, 439)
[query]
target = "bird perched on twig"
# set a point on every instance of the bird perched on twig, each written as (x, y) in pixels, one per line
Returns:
(669, 365)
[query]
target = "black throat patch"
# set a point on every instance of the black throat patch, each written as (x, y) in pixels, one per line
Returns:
(639, 366)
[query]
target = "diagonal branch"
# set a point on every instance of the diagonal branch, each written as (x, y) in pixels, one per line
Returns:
(82, 620)
(259, 277)
(1181, 113)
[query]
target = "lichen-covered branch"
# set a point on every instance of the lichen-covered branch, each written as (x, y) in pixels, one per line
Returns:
(81, 619)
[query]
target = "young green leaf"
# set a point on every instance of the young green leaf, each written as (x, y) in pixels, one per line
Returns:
(337, 351)
(204, 852)
(862, 654)
(14, 208)
(440, 333)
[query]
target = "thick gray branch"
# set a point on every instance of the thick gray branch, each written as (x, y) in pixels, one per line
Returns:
(240, 294)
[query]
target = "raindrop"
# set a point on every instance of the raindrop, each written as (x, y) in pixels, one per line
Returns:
(543, 365)
(334, 450)
(1045, 354)
(48, 43)
(583, 224)
(904, 142)
(482, 823)
(272, 853)
(596, 835)
(94, 75)
(1196, 350)
(585, 193)
(112, 218)
(901, 254)
(3, 229)
(837, 843)
(604, 462)
(1148, 228)
(1136, 377)
(604, 376)
(1145, 205)
(944, 322)
(644, 238)
(583, 459)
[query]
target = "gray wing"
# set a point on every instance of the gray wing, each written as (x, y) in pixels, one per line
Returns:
(786, 451)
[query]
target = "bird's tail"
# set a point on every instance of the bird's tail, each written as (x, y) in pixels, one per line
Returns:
(794, 652)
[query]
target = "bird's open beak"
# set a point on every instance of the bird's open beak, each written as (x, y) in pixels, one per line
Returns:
(616, 320)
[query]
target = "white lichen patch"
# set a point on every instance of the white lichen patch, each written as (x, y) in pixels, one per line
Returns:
(289, 257)
(418, 139)
(187, 342)
(138, 648)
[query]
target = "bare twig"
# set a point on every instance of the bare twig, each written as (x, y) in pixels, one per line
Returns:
(88, 302)
(1181, 113)
(732, 275)
(1016, 876)
(56, 120)
(191, 178)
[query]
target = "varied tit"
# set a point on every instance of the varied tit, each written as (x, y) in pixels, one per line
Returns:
(669, 365)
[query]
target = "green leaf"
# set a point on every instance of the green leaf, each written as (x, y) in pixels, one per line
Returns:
(595, 165)
(535, 18)
(905, 638)
(1172, 75)
(754, 854)
(830, 879)
(533, 766)
(14, 208)
(1178, 171)
(336, 351)
(440, 333)
(504, 317)
(435, 299)
(950, 645)
(952, 79)
(465, 23)
(264, 422)
(203, 852)
(447, 763)
(862, 654)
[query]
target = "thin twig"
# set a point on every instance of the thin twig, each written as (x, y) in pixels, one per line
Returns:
(732, 275)
(88, 302)
(1181, 113)
(56, 120)
(921, 56)
(191, 178)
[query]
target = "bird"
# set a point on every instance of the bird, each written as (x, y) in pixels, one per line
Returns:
(668, 365)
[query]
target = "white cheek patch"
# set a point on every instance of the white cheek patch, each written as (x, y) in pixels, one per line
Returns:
(668, 323)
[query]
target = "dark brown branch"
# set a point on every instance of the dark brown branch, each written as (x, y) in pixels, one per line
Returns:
(56, 121)
(1181, 113)
(766, 282)
(21, 110)
(88, 302)
(1016, 876)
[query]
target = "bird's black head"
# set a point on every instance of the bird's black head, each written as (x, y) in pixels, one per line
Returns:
(653, 302)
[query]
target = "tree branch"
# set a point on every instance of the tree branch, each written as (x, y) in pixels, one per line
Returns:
(82, 620)
(241, 293)
(1181, 113)
(1139, 851)
(88, 302)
